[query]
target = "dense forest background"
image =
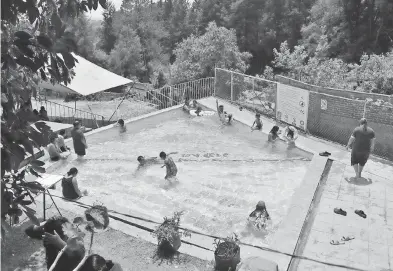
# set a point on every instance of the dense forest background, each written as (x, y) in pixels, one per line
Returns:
(336, 43)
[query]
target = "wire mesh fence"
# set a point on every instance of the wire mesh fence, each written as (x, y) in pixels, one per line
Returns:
(254, 93)
(330, 117)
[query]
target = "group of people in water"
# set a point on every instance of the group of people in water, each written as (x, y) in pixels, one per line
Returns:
(57, 150)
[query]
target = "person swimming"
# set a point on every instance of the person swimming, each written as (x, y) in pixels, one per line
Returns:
(121, 125)
(274, 133)
(143, 161)
(259, 217)
(257, 123)
(171, 168)
(199, 112)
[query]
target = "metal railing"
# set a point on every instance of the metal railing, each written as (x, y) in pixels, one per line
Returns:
(174, 95)
(66, 114)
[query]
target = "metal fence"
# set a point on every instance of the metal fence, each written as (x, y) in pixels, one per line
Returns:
(66, 114)
(253, 93)
(173, 95)
(335, 122)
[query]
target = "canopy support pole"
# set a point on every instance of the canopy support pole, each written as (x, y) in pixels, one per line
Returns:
(125, 95)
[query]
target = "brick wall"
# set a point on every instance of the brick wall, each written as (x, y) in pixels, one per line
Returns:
(335, 92)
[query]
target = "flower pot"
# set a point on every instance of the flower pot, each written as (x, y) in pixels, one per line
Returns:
(225, 262)
(172, 245)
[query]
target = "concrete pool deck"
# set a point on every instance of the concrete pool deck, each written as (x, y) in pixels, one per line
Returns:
(287, 237)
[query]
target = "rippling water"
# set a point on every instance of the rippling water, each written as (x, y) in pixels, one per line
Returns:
(222, 173)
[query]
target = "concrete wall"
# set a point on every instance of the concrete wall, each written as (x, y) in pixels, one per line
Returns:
(335, 92)
(89, 123)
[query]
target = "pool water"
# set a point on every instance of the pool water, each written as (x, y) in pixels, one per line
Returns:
(223, 171)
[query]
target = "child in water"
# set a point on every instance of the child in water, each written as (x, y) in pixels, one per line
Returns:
(274, 134)
(146, 161)
(258, 123)
(171, 169)
(290, 135)
(224, 116)
(122, 126)
(259, 217)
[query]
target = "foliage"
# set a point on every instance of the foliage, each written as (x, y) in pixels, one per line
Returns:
(17, 194)
(374, 73)
(352, 27)
(108, 37)
(35, 45)
(170, 228)
(196, 57)
(227, 247)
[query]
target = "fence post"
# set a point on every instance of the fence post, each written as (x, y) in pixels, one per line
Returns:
(170, 95)
(215, 78)
(231, 86)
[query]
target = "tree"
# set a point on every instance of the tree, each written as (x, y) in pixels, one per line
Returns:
(126, 57)
(108, 37)
(196, 57)
(38, 48)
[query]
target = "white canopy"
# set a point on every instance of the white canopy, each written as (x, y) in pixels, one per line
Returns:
(89, 79)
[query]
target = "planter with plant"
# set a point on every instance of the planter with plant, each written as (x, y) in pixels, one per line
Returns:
(169, 235)
(227, 253)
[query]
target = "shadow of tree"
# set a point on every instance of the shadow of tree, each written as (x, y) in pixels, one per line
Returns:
(19, 252)
(359, 181)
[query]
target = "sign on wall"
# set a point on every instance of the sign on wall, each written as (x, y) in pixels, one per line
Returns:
(292, 105)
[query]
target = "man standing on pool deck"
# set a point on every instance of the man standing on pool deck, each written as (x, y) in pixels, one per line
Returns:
(362, 141)
(79, 140)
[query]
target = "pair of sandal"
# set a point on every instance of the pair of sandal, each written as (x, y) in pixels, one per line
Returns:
(340, 211)
(325, 153)
(343, 240)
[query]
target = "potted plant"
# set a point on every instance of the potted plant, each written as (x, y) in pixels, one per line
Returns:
(168, 234)
(227, 253)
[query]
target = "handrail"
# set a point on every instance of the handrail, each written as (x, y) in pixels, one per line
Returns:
(66, 106)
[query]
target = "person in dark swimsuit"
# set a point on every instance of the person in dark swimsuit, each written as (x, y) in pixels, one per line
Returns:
(257, 123)
(70, 185)
(259, 217)
(79, 139)
(362, 142)
(274, 134)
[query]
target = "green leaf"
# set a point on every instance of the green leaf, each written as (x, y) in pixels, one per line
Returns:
(56, 22)
(78, 220)
(26, 202)
(95, 4)
(39, 169)
(29, 210)
(28, 146)
(44, 41)
(33, 185)
(33, 218)
(90, 4)
(103, 4)
(33, 13)
(32, 171)
(23, 35)
(37, 163)
(25, 62)
(68, 60)
(43, 75)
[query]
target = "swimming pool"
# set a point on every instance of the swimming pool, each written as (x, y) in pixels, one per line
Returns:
(223, 171)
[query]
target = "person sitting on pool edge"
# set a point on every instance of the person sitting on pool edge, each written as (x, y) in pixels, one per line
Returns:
(53, 151)
(224, 116)
(122, 126)
(70, 185)
(194, 104)
(171, 168)
(259, 217)
(274, 134)
(60, 141)
(258, 123)
(186, 106)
